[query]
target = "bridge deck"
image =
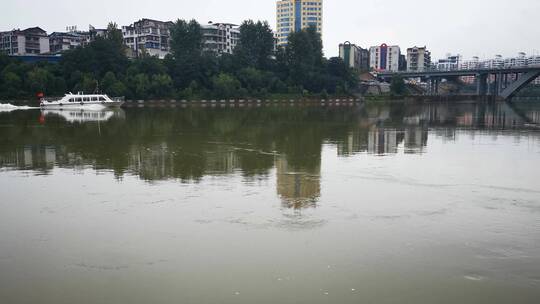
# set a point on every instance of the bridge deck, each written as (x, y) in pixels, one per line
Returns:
(458, 73)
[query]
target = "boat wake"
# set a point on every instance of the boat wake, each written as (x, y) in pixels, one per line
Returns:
(7, 107)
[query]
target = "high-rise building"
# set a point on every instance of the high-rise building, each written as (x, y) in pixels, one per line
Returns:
(418, 59)
(220, 37)
(147, 35)
(385, 58)
(354, 56)
(31, 41)
(295, 15)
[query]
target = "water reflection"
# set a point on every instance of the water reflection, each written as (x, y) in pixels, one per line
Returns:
(84, 115)
(189, 144)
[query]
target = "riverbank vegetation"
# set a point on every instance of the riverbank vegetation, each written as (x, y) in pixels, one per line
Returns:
(255, 70)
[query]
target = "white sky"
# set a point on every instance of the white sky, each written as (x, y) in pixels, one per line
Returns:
(469, 27)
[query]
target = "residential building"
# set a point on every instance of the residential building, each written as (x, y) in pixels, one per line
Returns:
(386, 58)
(534, 60)
(295, 15)
(472, 64)
(495, 63)
(354, 56)
(418, 59)
(220, 37)
(449, 63)
(520, 60)
(72, 38)
(94, 33)
(31, 41)
(148, 36)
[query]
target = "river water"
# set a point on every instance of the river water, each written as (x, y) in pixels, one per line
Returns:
(271, 204)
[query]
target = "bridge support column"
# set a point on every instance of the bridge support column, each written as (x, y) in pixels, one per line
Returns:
(481, 84)
(434, 86)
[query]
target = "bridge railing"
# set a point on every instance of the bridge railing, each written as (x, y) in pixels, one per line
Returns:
(480, 68)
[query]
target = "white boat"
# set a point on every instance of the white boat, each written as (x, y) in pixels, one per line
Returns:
(81, 100)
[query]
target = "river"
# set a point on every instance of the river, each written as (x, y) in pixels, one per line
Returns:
(432, 203)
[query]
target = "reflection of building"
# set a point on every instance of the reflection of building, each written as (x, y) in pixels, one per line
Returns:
(223, 161)
(383, 141)
(30, 157)
(415, 140)
(298, 189)
(295, 15)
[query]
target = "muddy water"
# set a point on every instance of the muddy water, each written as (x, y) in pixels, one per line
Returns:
(279, 204)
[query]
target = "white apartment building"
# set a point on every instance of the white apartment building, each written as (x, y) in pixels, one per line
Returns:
(354, 56)
(147, 35)
(534, 60)
(220, 37)
(385, 58)
(295, 15)
(418, 59)
(449, 63)
(31, 41)
(62, 41)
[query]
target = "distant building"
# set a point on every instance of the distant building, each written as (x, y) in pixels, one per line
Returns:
(354, 56)
(148, 36)
(534, 60)
(495, 63)
(71, 39)
(519, 61)
(386, 58)
(402, 66)
(220, 37)
(418, 59)
(94, 32)
(472, 64)
(295, 15)
(449, 63)
(31, 41)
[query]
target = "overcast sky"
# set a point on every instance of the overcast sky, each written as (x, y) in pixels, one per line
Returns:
(469, 27)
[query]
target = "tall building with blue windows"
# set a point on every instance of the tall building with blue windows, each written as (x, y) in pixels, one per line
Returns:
(295, 15)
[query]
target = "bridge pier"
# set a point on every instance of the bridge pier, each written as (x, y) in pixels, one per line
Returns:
(434, 86)
(481, 84)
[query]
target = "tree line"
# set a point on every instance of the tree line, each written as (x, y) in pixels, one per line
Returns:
(255, 69)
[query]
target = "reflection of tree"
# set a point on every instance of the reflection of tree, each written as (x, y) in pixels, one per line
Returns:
(188, 144)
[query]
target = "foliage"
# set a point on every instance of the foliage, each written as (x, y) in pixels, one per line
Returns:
(397, 86)
(256, 44)
(256, 69)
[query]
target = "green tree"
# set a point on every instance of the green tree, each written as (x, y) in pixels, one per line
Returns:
(304, 58)
(108, 81)
(10, 85)
(255, 45)
(397, 86)
(99, 57)
(161, 86)
(40, 80)
(225, 85)
(185, 64)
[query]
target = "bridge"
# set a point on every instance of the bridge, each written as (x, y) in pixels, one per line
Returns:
(504, 83)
